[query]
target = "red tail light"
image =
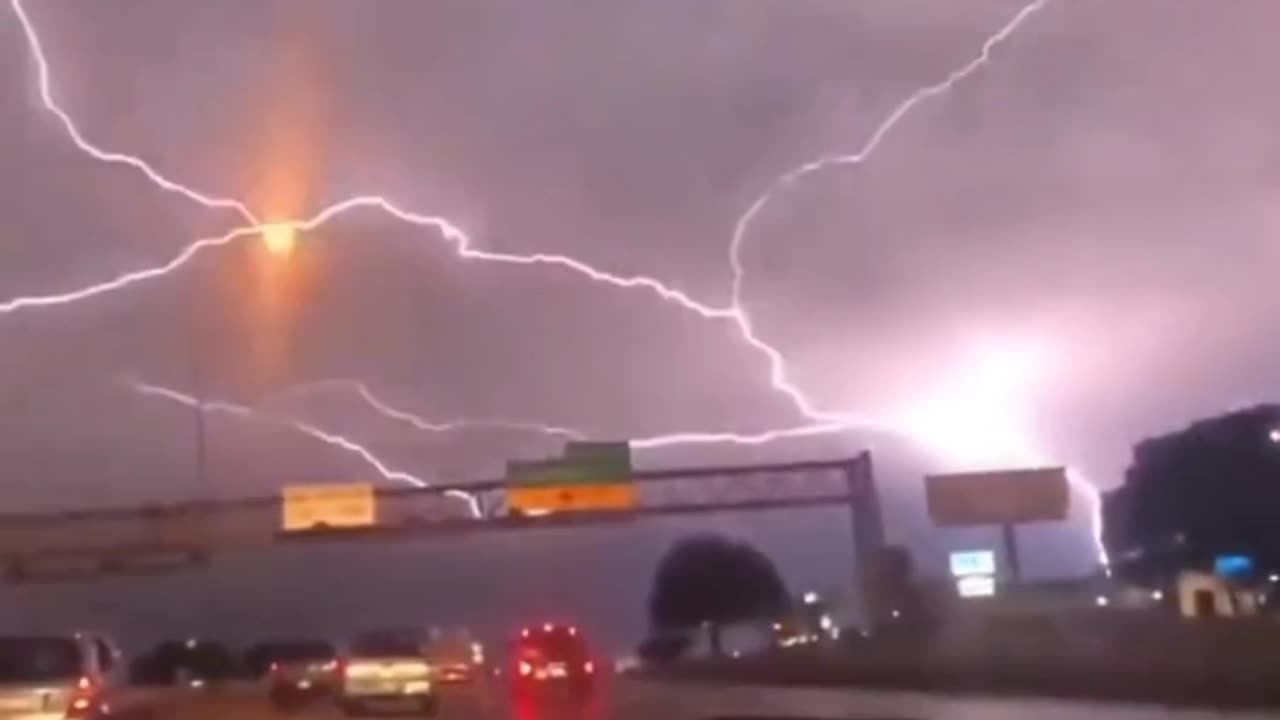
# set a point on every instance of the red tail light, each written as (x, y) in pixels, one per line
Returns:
(588, 667)
(524, 668)
(84, 700)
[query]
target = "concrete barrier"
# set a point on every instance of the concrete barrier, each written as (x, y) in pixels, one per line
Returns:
(1104, 655)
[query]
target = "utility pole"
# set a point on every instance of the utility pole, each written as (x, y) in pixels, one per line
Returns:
(195, 347)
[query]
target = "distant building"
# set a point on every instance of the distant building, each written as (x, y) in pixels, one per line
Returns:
(1205, 498)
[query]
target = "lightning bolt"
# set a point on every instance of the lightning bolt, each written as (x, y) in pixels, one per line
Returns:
(388, 410)
(47, 97)
(329, 438)
(777, 362)
(821, 421)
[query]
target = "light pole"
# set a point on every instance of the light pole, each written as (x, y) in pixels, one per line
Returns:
(196, 370)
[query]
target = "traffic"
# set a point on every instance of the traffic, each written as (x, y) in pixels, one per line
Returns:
(409, 672)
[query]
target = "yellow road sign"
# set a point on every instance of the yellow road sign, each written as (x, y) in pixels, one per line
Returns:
(535, 499)
(308, 507)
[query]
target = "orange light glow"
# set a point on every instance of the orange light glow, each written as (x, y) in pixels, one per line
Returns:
(288, 128)
(280, 239)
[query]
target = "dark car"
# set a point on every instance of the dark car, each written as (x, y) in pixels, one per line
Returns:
(301, 671)
(552, 660)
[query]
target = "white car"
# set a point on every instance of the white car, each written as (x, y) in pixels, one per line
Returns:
(77, 675)
(387, 672)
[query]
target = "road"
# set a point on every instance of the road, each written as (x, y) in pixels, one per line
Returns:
(638, 700)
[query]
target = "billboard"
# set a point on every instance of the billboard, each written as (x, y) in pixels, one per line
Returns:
(312, 507)
(998, 498)
(972, 562)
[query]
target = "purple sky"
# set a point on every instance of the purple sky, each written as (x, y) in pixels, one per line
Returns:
(1103, 192)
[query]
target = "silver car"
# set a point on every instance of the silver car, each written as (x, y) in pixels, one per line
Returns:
(79, 675)
(387, 672)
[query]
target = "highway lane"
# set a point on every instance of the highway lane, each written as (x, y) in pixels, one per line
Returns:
(640, 700)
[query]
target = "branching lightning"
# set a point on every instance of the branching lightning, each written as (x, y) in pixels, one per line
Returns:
(820, 421)
(329, 438)
(45, 86)
(388, 410)
(777, 362)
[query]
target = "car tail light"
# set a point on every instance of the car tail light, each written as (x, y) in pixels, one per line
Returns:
(275, 667)
(524, 668)
(573, 631)
(330, 666)
(524, 633)
(588, 667)
(84, 699)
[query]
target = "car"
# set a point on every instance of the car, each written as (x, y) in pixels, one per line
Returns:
(302, 670)
(73, 675)
(455, 656)
(552, 660)
(387, 671)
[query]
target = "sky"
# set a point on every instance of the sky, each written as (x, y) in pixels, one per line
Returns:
(1073, 247)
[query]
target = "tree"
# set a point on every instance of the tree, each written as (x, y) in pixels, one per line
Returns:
(710, 581)
(1208, 490)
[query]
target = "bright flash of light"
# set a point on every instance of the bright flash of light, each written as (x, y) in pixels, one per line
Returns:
(284, 234)
(977, 419)
(329, 438)
(976, 416)
(279, 239)
(777, 362)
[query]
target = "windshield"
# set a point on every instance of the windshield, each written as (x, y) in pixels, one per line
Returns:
(36, 659)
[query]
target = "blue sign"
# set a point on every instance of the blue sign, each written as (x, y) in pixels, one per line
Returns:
(973, 562)
(1233, 565)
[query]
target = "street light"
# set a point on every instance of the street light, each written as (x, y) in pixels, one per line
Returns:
(280, 238)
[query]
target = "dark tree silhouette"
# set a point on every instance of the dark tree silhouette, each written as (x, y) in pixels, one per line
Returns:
(708, 580)
(1210, 489)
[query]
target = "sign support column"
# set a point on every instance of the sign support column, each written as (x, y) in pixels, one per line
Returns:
(1009, 532)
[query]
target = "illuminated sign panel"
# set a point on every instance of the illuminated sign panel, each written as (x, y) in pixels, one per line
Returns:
(973, 562)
